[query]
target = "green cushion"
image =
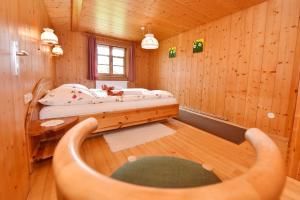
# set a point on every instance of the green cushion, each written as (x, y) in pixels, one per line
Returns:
(165, 172)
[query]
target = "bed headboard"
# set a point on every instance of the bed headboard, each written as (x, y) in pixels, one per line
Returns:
(41, 88)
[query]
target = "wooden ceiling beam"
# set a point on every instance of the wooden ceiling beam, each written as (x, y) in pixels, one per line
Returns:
(75, 14)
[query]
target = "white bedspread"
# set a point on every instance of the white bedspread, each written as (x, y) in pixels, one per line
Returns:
(72, 94)
(77, 110)
(136, 94)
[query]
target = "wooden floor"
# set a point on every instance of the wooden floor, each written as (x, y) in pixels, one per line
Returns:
(227, 159)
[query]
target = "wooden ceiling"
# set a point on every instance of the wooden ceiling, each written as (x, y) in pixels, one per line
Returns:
(59, 12)
(123, 18)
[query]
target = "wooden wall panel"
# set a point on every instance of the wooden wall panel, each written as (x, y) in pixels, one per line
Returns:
(143, 63)
(294, 150)
(294, 146)
(21, 22)
(245, 71)
(72, 67)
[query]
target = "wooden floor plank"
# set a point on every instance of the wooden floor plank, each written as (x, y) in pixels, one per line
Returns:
(227, 159)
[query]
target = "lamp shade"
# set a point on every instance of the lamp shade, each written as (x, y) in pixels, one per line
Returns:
(48, 36)
(57, 50)
(149, 42)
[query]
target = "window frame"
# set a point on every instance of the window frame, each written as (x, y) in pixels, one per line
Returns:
(110, 75)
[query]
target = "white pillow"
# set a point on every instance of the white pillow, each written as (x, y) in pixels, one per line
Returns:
(62, 96)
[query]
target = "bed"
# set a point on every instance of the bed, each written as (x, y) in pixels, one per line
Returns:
(110, 115)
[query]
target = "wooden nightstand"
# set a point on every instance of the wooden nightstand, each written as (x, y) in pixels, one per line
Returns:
(43, 140)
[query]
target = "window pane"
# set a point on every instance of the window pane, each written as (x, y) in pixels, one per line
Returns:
(103, 69)
(103, 50)
(118, 51)
(103, 60)
(118, 70)
(118, 61)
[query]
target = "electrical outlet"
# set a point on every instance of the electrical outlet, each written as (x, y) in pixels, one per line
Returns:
(27, 97)
(270, 115)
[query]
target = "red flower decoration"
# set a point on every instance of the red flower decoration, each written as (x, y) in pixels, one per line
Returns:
(74, 96)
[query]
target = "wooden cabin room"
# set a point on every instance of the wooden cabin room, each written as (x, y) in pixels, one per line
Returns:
(150, 99)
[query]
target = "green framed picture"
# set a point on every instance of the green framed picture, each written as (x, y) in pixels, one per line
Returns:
(172, 52)
(198, 45)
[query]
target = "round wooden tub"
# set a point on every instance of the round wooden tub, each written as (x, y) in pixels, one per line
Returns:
(75, 180)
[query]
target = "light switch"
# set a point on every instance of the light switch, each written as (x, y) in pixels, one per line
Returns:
(27, 97)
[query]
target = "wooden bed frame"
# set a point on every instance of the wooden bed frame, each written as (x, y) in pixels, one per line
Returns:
(106, 120)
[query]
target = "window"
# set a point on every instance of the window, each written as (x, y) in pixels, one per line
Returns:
(111, 61)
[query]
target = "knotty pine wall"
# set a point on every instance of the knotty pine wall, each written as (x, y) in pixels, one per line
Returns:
(246, 70)
(23, 22)
(73, 65)
(143, 64)
(294, 146)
